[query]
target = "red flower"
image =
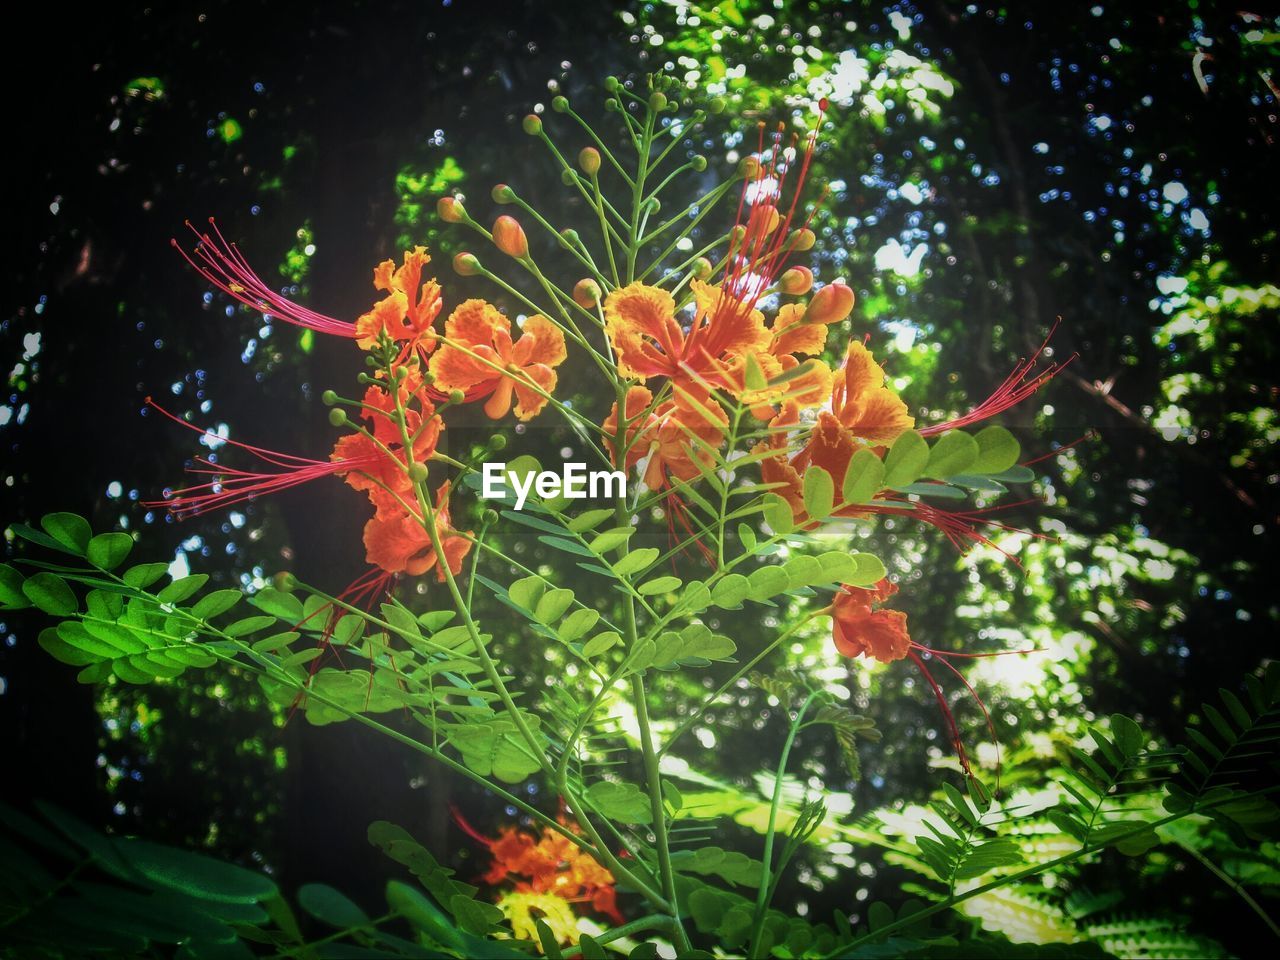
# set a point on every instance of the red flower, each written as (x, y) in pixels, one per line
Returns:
(860, 631)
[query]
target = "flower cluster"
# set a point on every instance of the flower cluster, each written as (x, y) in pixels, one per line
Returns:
(419, 371)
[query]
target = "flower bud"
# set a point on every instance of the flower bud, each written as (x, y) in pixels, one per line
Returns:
(586, 293)
(831, 304)
(654, 204)
(450, 210)
(560, 104)
(508, 236)
(698, 163)
(569, 237)
(702, 268)
(498, 441)
(466, 265)
(717, 105)
(611, 105)
(802, 239)
(612, 84)
(797, 281)
(456, 395)
(488, 516)
(765, 219)
(418, 472)
(328, 398)
(657, 101)
(338, 417)
(749, 167)
(532, 124)
(589, 160)
(501, 193)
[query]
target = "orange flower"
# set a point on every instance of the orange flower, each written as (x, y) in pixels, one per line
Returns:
(410, 307)
(399, 543)
(860, 631)
(480, 359)
(385, 478)
(637, 401)
(549, 864)
(679, 437)
(649, 341)
(861, 401)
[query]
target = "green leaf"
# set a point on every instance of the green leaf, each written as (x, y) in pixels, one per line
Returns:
(731, 590)
(248, 625)
(526, 591)
(179, 590)
(864, 478)
(611, 540)
(659, 585)
(107, 551)
(69, 529)
(1018, 474)
(819, 492)
(730, 865)
(778, 515)
(552, 605)
(906, 459)
(50, 593)
(621, 802)
(768, 582)
(578, 623)
(954, 452)
(213, 604)
(635, 561)
(600, 643)
(329, 906)
(11, 595)
(589, 520)
(195, 874)
(284, 606)
(870, 570)
(998, 451)
(145, 574)
(495, 748)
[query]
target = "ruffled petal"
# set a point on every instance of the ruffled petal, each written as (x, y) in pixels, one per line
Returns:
(640, 323)
(529, 402)
(387, 314)
(541, 341)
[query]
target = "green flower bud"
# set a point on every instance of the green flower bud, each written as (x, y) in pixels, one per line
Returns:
(338, 417)
(503, 194)
(698, 163)
(456, 396)
(418, 472)
(702, 268)
(569, 237)
(654, 204)
(568, 177)
(560, 104)
(611, 105)
(488, 516)
(532, 124)
(328, 398)
(612, 84)
(498, 441)
(657, 102)
(717, 105)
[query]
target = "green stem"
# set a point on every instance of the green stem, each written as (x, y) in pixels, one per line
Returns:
(767, 887)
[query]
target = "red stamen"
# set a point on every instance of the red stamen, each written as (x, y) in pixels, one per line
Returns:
(1089, 435)
(950, 719)
(233, 485)
(222, 264)
(1015, 388)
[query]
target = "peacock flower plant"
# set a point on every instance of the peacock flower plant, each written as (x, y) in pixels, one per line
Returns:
(735, 392)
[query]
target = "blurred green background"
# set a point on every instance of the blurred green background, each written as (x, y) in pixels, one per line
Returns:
(991, 169)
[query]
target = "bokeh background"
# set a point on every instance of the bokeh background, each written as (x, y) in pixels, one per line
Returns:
(992, 170)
